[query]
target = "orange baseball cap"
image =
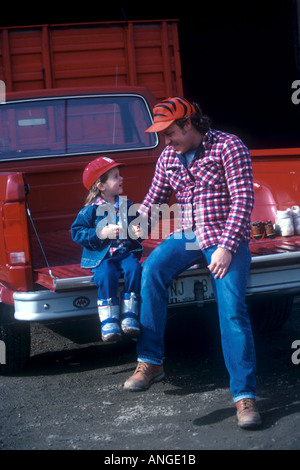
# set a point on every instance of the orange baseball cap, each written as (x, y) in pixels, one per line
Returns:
(97, 168)
(168, 111)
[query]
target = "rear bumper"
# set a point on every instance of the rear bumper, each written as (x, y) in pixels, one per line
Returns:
(47, 305)
(274, 274)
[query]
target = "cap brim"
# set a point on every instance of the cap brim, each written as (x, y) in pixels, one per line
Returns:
(119, 164)
(160, 126)
(110, 167)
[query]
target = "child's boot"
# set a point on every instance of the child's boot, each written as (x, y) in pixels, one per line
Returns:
(109, 313)
(130, 311)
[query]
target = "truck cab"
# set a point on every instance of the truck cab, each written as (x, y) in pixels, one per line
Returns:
(47, 138)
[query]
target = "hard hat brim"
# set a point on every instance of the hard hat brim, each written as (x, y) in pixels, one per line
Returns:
(160, 126)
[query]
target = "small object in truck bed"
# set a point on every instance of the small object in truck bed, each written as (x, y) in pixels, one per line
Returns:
(258, 230)
(284, 225)
(269, 229)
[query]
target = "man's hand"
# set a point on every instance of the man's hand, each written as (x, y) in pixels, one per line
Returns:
(137, 231)
(220, 262)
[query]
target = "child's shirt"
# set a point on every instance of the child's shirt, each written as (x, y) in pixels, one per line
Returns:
(84, 231)
(121, 244)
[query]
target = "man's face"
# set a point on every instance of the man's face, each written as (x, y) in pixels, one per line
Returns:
(182, 140)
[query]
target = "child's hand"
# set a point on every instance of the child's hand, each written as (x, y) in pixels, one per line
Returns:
(110, 231)
(137, 231)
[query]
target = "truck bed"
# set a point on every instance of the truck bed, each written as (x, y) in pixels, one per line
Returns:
(65, 271)
(58, 269)
(275, 262)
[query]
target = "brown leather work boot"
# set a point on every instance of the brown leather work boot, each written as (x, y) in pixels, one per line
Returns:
(247, 413)
(269, 229)
(144, 375)
(258, 230)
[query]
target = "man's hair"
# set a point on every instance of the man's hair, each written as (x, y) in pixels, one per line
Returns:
(199, 121)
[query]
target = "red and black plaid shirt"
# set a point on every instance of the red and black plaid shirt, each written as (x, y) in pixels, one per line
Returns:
(215, 193)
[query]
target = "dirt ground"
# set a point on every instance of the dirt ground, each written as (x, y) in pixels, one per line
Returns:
(70, 396)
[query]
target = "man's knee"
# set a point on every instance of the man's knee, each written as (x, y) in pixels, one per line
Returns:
(152, 268)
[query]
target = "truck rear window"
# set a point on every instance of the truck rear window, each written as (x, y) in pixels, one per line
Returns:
(74, 125)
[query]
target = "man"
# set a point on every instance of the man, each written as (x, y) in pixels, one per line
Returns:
(211, 174)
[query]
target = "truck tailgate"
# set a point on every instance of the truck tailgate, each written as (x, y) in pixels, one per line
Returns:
(57, 263)
(70, 291)
(63, 271)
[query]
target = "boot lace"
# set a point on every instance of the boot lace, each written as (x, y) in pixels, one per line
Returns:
(247, 403)
(142, 367)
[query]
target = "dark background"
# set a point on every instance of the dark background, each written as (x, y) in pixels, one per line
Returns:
(239, 59)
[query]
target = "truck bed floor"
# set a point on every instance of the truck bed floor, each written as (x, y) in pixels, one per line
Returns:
(63, 255)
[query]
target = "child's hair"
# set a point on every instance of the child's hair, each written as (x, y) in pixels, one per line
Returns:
(94, 192)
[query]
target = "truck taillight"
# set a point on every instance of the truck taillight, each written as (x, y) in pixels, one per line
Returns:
(15, 233)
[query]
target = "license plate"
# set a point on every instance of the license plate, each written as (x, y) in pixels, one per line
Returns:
(191, 289)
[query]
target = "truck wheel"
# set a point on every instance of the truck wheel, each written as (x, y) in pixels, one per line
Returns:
(270, 313)
(14, 346)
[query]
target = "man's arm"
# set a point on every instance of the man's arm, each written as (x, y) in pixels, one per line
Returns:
(159, 193)
(239, 177)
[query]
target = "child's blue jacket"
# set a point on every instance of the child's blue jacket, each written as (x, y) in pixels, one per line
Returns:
(84, 230)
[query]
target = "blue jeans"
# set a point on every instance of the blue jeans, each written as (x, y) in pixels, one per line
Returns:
(107, 275)
(168, 260)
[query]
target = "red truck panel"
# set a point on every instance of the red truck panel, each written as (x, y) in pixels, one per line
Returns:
(54, 193)
(276, 176)
(53, 189)
(15, 266)
(134, 53)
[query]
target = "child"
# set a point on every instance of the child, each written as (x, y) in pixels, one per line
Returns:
(101, 228)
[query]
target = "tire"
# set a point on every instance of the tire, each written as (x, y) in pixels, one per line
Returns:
(14, 346)
(270, 313)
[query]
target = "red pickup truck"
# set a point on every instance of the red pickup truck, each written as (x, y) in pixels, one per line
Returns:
(48, 134)
(46, 139)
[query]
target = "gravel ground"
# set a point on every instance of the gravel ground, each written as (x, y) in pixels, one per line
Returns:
(70, 396)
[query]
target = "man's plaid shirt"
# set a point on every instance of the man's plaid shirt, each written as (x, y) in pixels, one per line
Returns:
(215, 193)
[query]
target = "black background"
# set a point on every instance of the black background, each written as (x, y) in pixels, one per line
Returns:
(238, 58)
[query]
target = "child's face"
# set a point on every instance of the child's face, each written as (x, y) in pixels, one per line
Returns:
(113, 186)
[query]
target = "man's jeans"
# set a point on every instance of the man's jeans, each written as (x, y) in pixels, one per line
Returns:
(169, 259)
